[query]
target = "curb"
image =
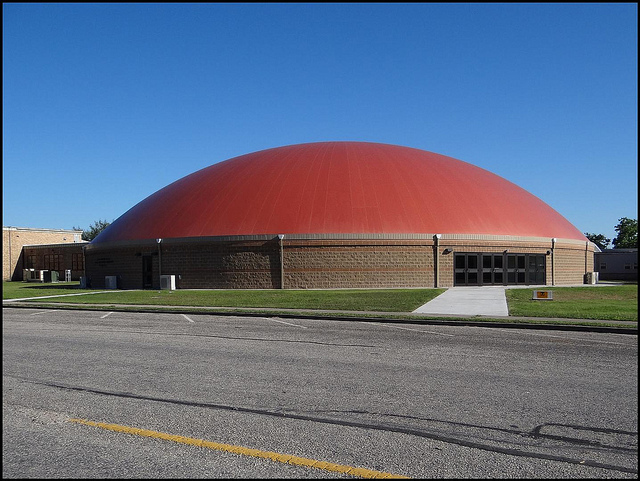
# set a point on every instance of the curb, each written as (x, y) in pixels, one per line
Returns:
(558, 324)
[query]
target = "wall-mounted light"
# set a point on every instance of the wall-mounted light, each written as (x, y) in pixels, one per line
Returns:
(505, 251)
(548, 252)
(158, 241)
(447, 251)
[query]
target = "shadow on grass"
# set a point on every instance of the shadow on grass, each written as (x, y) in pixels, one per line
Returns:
(73, 287)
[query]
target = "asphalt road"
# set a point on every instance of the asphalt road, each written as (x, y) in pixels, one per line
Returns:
(409, 400)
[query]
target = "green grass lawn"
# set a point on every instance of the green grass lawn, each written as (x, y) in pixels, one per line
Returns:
(18, 290)
(594, 302)
(589, 302)
(380, 300)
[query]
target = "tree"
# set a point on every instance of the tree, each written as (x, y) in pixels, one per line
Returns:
(94, 229)
(627, 230)
(598, 239)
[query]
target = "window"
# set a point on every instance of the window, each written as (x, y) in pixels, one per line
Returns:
(77, 262)
(30, 261)
(52, 262)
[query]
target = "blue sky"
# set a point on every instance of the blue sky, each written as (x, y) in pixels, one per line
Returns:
(104, 104)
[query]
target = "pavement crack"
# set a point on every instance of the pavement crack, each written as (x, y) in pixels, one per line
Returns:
(423, 433)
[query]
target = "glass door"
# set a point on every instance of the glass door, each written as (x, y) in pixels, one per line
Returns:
(536, 268)
(516, 269)
(466, 269)
(492, 269)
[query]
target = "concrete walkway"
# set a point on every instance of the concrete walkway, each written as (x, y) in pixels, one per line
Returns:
(468, 301)
(57, 295)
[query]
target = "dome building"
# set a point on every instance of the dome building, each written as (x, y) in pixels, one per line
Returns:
(340, 215)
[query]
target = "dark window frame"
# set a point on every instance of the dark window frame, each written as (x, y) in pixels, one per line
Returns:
(77, 262)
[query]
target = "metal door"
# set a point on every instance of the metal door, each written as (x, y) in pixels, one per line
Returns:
(536, 268)
(516, 269)
(147, 272)
(467, 272)
(492, 269)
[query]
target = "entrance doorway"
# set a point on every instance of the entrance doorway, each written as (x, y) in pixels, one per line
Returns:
(492, 269)
(466, 269)
(487, 269)
(147, 272)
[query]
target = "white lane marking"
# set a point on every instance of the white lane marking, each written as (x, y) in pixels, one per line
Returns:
(107, 314)
(283, 322)
(41, 312)
(183, 315)
(409, 329)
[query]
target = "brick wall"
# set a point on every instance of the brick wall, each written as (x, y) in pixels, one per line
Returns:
(124, 263)
(206, 265)
(65, 253)
(358, 264)
(317, 263)
(568, 265)
(14, 238)
(572, 262)
(225, 265)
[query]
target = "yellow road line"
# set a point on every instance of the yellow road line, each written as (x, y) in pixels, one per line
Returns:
(282, 458)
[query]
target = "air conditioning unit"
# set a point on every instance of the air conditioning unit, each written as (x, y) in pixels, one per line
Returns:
(591, 277)
(168, 282)
(110, 282)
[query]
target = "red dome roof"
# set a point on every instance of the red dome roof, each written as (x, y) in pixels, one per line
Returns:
(339, 188)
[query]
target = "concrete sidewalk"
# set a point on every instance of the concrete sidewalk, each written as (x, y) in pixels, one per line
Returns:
(468, 301)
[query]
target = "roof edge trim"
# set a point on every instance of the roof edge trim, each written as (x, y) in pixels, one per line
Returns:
(274, 237)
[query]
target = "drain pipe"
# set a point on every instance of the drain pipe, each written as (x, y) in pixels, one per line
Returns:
(10, 259)
(280, 237)
(436, 240)
(586, 254)
(84, 266)
(553, 261)
(159, 241)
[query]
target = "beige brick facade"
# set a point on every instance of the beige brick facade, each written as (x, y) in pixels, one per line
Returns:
(15, 238)
(322, 261)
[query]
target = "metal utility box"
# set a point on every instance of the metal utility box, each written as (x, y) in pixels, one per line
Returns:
(168, 282)
(591, 277)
